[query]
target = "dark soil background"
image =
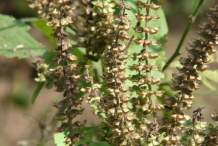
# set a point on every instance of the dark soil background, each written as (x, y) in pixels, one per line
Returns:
(24, 124)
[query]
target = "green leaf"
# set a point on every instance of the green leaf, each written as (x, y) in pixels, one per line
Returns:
(188, 123)
(211, 75)
(29, 19)
(208, 79)
(103, 115)
(41, 25)
(161, 136)
(37, 90)
(98, 67)
(208, 84)
(206, 92)
(48, 56)
(162, 23)
(100, 143)
(160, 37)
(15, 40)
(79, 52)
(130, 105)
(210, 128)
(89, 132)
(59, 139)
(201, 126)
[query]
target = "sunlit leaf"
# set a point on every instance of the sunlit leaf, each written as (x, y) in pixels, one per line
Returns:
(15, 40)
(41, 25)
(89, 133)
(59, 139)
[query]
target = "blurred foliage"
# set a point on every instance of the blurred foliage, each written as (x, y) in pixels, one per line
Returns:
(15, 40)
(17, 8)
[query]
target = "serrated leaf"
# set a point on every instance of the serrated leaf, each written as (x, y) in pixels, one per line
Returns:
(15, 40)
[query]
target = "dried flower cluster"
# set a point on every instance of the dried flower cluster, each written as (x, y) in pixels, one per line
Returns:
(125, 101)
(196, 61)
(43, 6)
(67, 73)
(114, 103)
(188, 81)
(142, 79)
(96, 21)
(211, 139)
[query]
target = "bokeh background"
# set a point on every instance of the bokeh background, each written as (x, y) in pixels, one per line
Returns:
(22, 123)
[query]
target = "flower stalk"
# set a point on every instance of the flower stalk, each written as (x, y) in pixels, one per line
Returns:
(185, 33)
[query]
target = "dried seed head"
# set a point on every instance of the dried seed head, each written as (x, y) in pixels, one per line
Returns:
(195, 62)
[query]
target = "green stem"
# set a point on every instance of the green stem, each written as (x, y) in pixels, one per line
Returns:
(188, 26)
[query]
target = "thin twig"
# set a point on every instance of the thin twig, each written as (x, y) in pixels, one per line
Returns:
(188, 26)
